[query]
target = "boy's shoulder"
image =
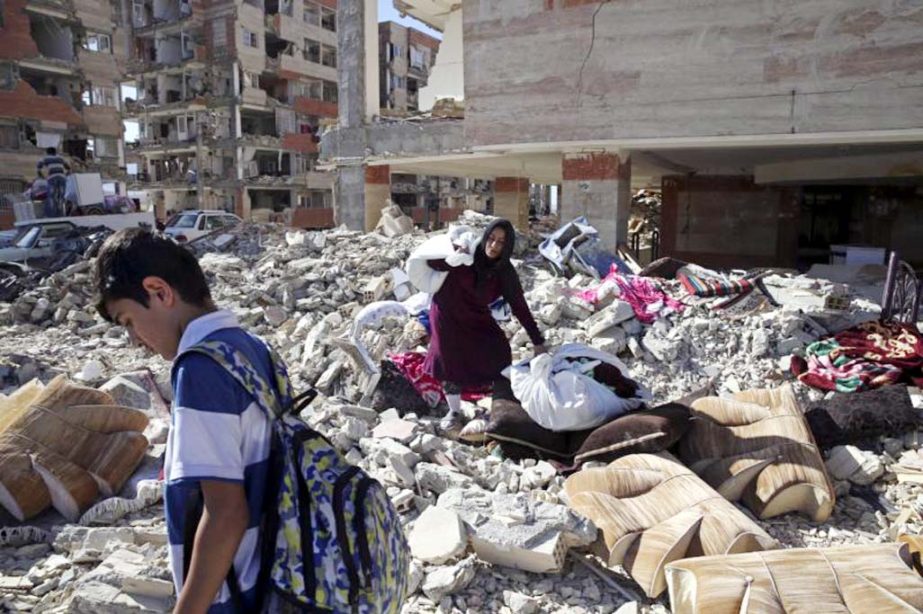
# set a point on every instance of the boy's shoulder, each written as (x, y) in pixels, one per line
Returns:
(201, 383)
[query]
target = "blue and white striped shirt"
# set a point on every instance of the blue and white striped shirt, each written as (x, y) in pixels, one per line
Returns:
(217, 432)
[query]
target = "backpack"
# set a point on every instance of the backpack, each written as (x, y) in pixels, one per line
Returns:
(332, 539)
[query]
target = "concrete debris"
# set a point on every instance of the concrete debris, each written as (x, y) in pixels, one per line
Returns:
(857, 466)
(301, 290)
(447, 580)
(438, 536)
(516, 531)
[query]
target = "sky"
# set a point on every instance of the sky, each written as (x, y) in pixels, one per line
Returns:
(387, 12)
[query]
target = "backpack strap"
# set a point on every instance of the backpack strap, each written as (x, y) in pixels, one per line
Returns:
(276, 399)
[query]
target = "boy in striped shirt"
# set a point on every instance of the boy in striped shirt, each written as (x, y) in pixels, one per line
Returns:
(219, 443)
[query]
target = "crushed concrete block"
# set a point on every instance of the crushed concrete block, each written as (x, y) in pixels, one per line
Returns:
(275, 316)
(857, 466)
(127, 393)
(537, 476)
(519, 603)
(438, 536)
(399, 430)
(378, 450)
(15, 583)
(514, 531)
(402, 471)
(148, 587)
(439, 479)
(445, 581)
(369, 416)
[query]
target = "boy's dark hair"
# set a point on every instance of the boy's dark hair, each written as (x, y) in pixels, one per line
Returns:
(51, 151)
(132, 254)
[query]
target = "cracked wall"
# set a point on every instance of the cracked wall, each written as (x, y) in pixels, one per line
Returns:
(618, 70)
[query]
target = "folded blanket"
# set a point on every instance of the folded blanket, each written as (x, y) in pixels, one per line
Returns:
(867, 356)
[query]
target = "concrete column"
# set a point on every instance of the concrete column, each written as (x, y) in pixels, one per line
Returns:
(598, 185)
(242, 204)
(377, 193)
(511, 200)
(348, 147)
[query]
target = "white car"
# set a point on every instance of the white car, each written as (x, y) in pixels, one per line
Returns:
(190, 225)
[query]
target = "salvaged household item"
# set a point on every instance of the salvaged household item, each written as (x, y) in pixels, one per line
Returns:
(847, 580)
(519, 436)
(65, 447)
(756, 448)
(862, 416)
(652, 510)
(568, 390)
(870, 355)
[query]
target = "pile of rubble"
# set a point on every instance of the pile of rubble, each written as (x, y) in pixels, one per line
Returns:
(487, 533)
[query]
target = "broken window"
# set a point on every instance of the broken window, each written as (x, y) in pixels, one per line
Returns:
(396, 51)
(187, 46)
(251, 39)
(312, 51)
(138, 14)
(328, 56)
(102, 96)
(104, 147)
(219, 33)
(330, 91)
(9, 136)
(311, 13)
(8, 76)
(328, 20)
(417, 58)
(251, 79)
(101, 43)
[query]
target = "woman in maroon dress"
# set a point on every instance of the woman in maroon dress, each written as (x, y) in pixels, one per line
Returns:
(467, 347)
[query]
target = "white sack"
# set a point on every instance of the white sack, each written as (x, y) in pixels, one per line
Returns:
(560, 398)
(424, 278)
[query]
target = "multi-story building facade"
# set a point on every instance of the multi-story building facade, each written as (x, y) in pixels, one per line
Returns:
(406, 56)
(230, 98)
(61, 62)
(777, 131)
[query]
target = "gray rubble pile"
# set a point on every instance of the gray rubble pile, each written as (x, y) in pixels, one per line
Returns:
(488, 534)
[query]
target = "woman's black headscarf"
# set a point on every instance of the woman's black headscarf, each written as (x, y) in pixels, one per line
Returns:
(486, 268)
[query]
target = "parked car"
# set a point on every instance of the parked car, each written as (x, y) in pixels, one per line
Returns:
(189, 225)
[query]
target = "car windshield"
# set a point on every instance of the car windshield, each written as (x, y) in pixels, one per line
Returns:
(29, 238)
(184, 221)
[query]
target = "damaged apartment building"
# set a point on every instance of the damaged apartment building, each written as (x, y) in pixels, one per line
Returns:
(405, 58)
(776, 132)
(60, 66)
(231, 97)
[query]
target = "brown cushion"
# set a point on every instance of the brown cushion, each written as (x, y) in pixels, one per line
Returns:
(519, 435)
(649, 431)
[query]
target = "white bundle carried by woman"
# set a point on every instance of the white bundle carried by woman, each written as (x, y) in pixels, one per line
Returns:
(556, 393)
(442, 247)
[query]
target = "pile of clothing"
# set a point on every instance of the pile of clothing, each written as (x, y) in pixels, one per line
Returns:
(646, 298)
(867, 356)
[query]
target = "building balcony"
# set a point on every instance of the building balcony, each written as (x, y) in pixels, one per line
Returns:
(137, 66)
(137, 108)
(157, 145)
(170, 25)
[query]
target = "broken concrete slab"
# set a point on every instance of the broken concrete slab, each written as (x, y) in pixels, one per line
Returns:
(515, 531)
(399, 430)
(438, 536)
(858, 466)
(448, 580)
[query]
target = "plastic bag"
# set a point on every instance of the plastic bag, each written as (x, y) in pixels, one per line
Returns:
(559, 397)
(424, 278)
